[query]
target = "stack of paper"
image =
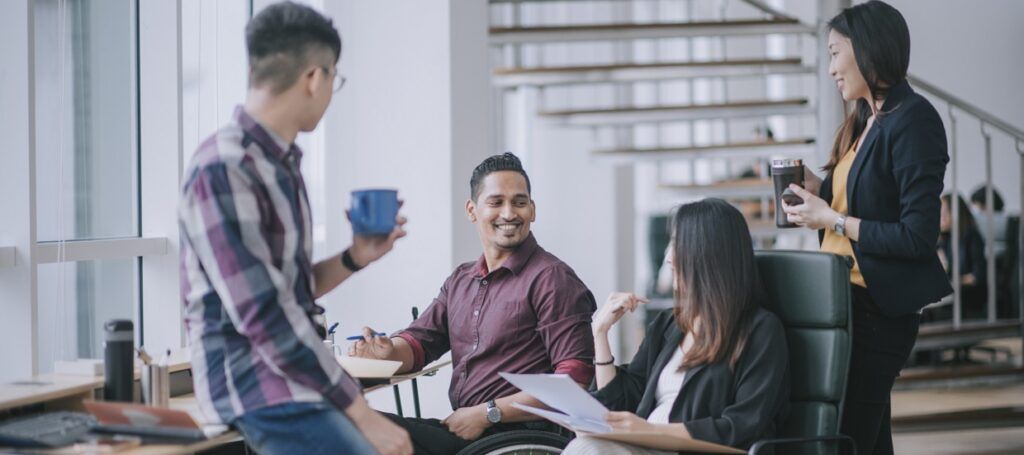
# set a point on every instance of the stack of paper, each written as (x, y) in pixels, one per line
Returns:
(582, 413)
(358, 367)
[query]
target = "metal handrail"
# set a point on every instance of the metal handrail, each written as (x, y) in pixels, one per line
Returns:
(980, 114)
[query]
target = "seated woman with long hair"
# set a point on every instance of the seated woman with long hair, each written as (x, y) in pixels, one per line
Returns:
(715, 368)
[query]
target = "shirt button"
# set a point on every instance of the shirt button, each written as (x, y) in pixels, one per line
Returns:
(474, 347)
(484, 282)
(476, 312)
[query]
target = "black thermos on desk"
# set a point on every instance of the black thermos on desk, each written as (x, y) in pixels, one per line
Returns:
(118, 364)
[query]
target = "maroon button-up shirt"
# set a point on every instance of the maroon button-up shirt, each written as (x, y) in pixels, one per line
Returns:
(531, 315)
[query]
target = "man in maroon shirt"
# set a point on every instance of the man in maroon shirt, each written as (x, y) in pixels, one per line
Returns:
(516, 309)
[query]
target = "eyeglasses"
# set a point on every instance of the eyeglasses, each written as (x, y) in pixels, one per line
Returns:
(339, 80)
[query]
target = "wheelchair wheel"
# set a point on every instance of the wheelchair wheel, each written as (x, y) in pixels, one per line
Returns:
(523, 442)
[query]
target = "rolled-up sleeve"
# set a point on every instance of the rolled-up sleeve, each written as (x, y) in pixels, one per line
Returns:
(428, 334)
(564, 308)
(221, 220)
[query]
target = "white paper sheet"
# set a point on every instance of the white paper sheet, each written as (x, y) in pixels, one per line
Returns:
(559, 391)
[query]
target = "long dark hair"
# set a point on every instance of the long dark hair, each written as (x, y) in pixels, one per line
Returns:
(717, 280)
(881, 46)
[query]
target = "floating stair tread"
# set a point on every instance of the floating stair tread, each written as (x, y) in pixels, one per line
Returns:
(707, 148)
(739, 23)
(754, 183)
(937, 330)
(644, 66)
(959, 372)
(627, 31)
(683, 107)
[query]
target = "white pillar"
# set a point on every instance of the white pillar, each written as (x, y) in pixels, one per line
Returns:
(17, 183)
(830, 104)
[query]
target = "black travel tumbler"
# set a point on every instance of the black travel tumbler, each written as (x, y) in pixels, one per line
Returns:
(785, 172)
(118, 348)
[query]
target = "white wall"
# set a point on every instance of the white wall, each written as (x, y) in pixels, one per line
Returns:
(413, 116)
(972, 50)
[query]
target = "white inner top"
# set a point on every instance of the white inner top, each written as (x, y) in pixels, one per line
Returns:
(669, 383)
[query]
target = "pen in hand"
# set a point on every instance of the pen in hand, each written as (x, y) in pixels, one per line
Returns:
(360, 337)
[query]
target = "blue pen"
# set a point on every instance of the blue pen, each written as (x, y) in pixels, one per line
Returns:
(360, 337)
(333, 326)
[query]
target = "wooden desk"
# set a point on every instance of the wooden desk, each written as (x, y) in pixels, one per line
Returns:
(66, 392)
(400, 378)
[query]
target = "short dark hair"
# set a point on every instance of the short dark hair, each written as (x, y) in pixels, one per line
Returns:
(495, 163)
(283, 39)
(978, 197)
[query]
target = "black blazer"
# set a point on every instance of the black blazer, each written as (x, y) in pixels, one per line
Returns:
(715, 403)
(894, 188)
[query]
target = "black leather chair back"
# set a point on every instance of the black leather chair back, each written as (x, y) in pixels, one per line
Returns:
(810, 293)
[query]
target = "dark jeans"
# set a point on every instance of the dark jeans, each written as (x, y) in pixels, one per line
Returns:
(302, 428)
(430, 437)
(881, 346)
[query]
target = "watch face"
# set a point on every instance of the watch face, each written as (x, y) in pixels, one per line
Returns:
(493, 415)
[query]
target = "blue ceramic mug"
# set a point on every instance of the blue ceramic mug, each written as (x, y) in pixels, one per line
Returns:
(374, 211)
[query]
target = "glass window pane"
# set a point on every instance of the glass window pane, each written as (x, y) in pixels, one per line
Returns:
(75, 299)
(85, 98)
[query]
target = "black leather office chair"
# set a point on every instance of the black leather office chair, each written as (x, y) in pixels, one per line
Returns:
(810, 293)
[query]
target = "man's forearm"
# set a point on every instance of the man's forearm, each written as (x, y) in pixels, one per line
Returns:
(328, 274)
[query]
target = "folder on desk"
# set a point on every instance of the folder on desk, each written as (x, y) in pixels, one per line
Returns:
(580, 412)
(150, 423)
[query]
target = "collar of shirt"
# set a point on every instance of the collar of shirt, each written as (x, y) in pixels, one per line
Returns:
(515, 262)
(273, 145)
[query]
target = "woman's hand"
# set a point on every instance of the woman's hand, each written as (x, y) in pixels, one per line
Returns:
(812, 183)
(627, 421)
(814, 213)
(614, 307)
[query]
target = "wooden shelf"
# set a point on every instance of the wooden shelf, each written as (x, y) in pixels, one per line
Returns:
(561, 75)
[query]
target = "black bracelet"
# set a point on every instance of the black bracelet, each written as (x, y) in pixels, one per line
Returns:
(346, 260)
(605, 363)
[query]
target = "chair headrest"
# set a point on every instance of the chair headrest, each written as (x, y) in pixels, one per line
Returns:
(806, 289)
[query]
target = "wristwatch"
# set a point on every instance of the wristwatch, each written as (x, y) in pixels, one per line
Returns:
(840, 226)
(493, 412)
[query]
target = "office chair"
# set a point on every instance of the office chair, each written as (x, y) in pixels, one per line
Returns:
(810, 293)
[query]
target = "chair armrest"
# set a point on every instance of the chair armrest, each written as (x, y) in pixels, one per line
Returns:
(842, 438)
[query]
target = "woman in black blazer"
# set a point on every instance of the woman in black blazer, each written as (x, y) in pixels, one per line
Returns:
(716, 367)
(879, 206)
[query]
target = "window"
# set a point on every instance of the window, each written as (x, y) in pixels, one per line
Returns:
(86, 183)
(86, 171)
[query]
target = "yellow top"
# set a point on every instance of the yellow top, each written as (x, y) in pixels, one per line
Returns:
(835, 243)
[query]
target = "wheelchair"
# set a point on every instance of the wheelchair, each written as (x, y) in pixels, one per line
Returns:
(520, 442)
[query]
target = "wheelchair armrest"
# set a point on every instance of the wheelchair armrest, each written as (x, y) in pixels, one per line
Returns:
(842, 438)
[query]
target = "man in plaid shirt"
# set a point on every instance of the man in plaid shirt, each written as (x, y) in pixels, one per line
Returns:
(248, 283)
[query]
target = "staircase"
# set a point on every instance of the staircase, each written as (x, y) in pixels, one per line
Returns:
(688, 71)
